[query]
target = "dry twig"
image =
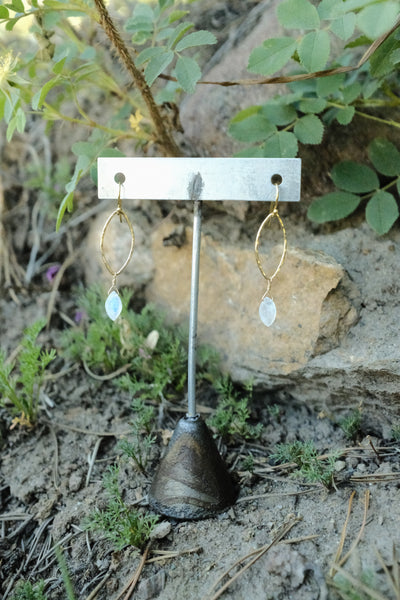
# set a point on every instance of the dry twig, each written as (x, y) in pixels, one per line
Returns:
(257, 555)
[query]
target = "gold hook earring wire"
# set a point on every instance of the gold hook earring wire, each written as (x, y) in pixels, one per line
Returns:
(272, 214)
(122, 215)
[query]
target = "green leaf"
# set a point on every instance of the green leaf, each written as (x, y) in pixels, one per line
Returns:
(178, 33)
(197, 38)
(40, 96)
(309, 130)
(58, 67)
(187, 73)
(282, 144)
(2, 105)
(142, 20)
(381, 212)
(3, 12)
(254, 128)
(271, 56)
(384, 156)
(345, 115)
(176, 15)
(17, 6)
(21, 120)
(332, 207)
(148, 53)
(88, 149)
(362, 40)
(328, 86)
(279, 114)
(252, 152)
(298, 14)
(395, 56)
(378, 18)
(66, 204)
(331, 9)
(381, 60)
(156, 66)
(11, 24)
(344, 26)
(351, 92)
(314, 50)
(312, 105)
(354, 177)
(163, 4)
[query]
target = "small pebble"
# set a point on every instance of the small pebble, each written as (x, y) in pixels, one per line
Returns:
(161, 530)
(340, 465)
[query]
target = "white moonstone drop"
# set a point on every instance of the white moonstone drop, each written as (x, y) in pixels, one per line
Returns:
(267, 311)
(113, 305)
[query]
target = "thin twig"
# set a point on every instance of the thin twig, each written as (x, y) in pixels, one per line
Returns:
(87, 431)
(164, 137)
(92, 459)
(170, 554)
(55, 466)
(302, 76)
(259, 553)
(98, 587)
(109, 376)
(343, 534)
(56, 283)
(359, 536)
(130, 586)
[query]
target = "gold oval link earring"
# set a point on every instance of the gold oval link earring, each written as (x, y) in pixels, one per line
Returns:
(267, 310)
(113, 304)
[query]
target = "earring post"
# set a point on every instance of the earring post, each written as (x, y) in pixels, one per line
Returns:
(195, 188)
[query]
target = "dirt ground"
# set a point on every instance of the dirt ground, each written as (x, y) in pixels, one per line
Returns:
(282, 539)
(51, 479)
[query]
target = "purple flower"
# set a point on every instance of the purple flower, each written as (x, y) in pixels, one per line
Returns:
(52, 272)
(79, 316)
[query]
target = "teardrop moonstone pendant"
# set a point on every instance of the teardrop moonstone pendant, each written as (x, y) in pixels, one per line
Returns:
(113, 305)
(267, 311)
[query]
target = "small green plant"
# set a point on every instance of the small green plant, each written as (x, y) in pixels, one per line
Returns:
(119, 523)
(20, 392)
(141, 439)
(351, 424)
(396, 433)
(347, 591)
(156, 353)
(25, 590)
(232, 415)
(247, 464)
(366, 89)
(274, 411)
(359, 183)
(309, 464)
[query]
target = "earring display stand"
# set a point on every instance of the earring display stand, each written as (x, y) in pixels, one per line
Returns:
(192, 481)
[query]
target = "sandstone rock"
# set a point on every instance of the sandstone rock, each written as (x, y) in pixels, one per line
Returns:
(313, 310)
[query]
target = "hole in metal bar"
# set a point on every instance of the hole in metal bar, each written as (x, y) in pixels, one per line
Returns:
(276, 179)
(119, 178)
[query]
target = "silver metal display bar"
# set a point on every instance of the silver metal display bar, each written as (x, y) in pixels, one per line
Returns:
(224, 178)
(198, 179)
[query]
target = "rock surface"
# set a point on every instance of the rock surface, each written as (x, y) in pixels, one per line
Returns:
(313, 312)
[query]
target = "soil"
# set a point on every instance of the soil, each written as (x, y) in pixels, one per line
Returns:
(288, 532)
(51, 479)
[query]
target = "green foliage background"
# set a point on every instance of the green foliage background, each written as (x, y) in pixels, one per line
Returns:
(54, 79)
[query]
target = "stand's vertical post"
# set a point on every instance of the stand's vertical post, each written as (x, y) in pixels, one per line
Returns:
(195, 189)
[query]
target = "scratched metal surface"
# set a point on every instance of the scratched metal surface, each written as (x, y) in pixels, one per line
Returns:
(246, 179)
